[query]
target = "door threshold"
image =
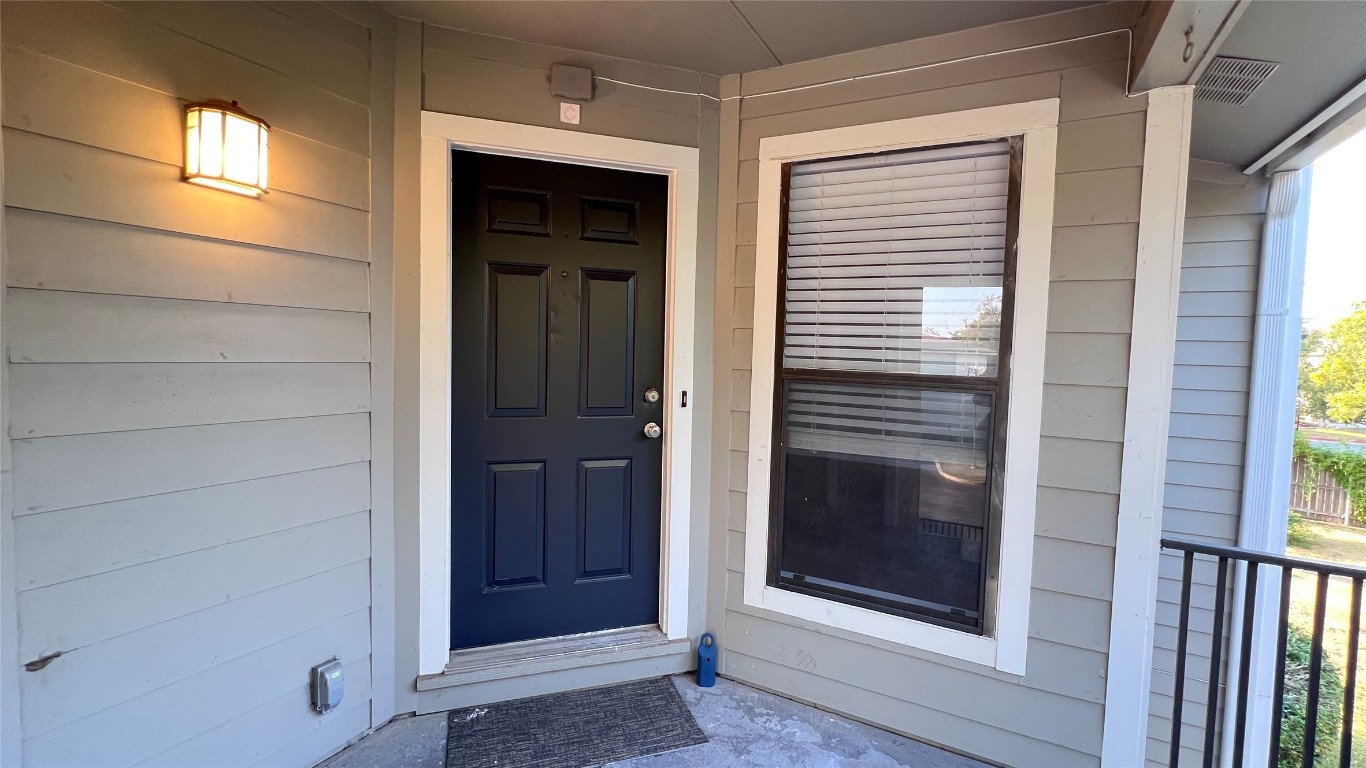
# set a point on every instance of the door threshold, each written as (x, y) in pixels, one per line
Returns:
(530, 657)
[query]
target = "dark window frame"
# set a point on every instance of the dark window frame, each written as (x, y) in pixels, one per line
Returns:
(997, 387)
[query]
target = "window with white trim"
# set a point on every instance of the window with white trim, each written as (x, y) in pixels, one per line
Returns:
(889, 401)
(901, 302)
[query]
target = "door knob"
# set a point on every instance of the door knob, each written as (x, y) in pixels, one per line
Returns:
(653, 431)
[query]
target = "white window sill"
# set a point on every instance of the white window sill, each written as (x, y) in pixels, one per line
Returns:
(894, 629)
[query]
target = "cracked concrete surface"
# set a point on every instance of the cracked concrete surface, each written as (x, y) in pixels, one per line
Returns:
(746, 728)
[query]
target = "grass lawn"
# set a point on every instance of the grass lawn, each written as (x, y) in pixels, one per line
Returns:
(1350, 434)
(1344, 545)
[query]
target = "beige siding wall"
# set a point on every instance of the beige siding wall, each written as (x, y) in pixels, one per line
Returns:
(1219, 265)
(189, 383)
(499, 79)
(1052, 715)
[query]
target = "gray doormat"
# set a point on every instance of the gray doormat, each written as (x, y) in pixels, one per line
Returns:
(573, 729)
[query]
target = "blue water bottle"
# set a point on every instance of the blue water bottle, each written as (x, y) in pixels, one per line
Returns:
(706, 660)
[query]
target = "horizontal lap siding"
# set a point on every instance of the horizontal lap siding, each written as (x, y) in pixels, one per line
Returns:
(189, 384)
(498, 79)
(1203, 493)
(1053, 714)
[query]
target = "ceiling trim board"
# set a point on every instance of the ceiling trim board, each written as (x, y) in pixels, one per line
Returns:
(758, 38)
(1343, 126)
(737, 36)
(1217, 42)
(1061, 26)
(695, 36)
(1201, 25)
(1356, 95)
(1215, 172)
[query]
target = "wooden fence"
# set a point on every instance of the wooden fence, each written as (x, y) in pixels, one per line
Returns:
(1320, 497)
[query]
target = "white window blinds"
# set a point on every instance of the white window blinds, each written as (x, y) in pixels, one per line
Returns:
(896, 423)
(895, 261)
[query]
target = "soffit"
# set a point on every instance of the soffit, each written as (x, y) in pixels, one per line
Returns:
(1321, 45)
(799, 31)
(719, 37)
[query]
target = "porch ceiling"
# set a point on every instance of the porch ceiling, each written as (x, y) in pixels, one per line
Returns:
(1321, 45)
(719, 37)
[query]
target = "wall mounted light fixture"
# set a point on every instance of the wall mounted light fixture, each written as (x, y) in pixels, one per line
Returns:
(225, 148)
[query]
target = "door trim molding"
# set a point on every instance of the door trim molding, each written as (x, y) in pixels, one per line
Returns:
(441, 133)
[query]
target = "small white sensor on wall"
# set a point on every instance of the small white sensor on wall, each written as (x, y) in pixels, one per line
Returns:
(225, 148)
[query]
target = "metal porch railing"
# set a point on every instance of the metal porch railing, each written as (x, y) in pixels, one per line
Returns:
(1264, 567)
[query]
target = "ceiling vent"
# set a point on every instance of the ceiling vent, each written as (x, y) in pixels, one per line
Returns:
(1232, 81)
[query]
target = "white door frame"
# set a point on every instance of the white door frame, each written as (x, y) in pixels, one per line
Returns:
(441, 133)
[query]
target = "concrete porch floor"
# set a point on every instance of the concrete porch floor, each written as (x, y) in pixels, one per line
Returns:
(746, 728)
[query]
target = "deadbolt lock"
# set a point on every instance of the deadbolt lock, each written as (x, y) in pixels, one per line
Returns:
(651, 395)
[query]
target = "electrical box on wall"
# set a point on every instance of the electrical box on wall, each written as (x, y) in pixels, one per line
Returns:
(571, 82)
(328, 685)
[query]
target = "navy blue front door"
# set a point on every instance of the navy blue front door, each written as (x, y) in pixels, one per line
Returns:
(558, 332)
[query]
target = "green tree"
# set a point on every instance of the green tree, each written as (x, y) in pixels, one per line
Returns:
(985, 327)
(1342, 373)
(1312, 402)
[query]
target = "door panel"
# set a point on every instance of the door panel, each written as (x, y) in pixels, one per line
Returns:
(517, 340)
(609, 220)
(605, 517)
(557, 331)
(515, 503)
(606, 369)
(518, 211)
